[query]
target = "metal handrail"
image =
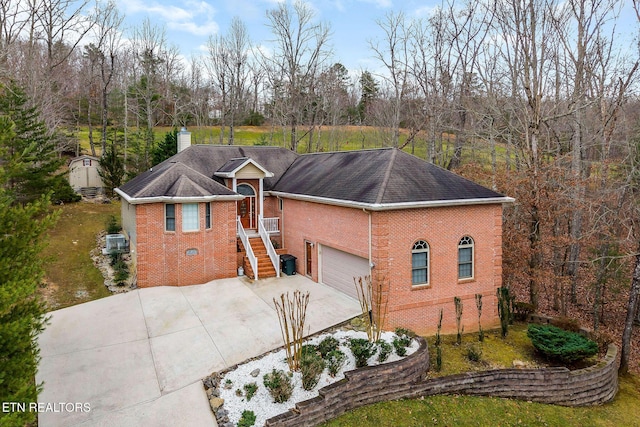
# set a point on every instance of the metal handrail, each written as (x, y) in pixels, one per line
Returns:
(247, 247)
(271, 251)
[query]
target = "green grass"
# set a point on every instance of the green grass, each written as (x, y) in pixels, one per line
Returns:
(71, 277)
(487, 411)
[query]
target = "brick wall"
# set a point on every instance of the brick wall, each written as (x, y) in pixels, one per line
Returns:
(405, 379)
(417, 307)
(162, 256)
(346, 229)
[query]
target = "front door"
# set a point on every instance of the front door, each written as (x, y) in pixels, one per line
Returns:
(308, 249)
(247, 206)
(244, 212)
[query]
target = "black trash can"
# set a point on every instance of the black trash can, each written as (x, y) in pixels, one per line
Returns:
(288, 264)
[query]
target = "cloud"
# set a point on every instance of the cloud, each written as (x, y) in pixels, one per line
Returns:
(191, 16)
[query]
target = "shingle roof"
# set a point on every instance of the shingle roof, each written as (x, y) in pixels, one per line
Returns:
(373, 177)
(172, 179)
(381, 176)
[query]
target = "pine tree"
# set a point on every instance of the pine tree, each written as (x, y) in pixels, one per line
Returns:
(111, 168)
(29, 156)
(22, 311)
(166, 148)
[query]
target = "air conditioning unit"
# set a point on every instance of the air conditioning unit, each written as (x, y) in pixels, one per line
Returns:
(116, 243)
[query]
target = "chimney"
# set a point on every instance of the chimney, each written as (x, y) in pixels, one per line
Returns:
(184, 139)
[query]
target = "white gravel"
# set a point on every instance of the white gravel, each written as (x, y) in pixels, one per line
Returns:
(262, 403)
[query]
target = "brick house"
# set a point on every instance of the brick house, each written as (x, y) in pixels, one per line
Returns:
(429, 234)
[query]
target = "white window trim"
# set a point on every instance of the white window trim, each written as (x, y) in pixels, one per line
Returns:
(426, 250)
(166, 217)
(464, 243)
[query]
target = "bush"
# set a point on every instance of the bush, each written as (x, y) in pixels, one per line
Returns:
(308, 349)
(311, 367)
(328, 345)
(474, 353)
(112, 225)
(362, 350)
(522, 310)
(402, 341)
(250, 389)
(561, 345)
(279, 385)
(334, 360)
(384, 350)
(247, 419)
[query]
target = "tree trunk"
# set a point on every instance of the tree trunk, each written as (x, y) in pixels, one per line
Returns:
(628, 325)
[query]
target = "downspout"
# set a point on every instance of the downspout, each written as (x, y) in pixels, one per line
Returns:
(370, 242)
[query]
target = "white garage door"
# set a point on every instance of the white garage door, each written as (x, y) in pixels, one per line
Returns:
(339, 268)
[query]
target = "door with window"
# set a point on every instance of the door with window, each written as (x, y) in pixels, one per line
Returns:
(247, 206)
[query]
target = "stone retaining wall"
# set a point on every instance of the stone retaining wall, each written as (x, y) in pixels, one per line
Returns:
(406, 379)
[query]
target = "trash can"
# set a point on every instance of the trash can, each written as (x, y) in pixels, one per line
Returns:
(288, 264)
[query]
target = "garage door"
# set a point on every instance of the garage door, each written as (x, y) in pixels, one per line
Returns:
(339, 268)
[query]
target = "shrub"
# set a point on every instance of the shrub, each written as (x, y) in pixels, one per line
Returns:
(438, 358)
(401, 341)
(474, 353)
(334, 360)
(328, 345)
(522, 310)
(311, 367)
(247, 419)
(308, 349)
(279, 385)
(384, 350)
(250, 389)
(561, 345)
(362, 350)
(112, 225)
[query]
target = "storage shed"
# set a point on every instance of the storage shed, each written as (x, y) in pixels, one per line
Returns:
(84, 177)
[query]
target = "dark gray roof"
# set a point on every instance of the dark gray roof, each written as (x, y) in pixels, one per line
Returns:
(208, 159)
(380, 176)
(232, 165)
(172, 179)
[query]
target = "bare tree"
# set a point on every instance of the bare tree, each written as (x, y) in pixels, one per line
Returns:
(300, 50)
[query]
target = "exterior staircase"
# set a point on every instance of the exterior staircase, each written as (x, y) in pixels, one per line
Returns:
(265, 267)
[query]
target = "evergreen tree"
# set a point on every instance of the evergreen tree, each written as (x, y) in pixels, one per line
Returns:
(166, 148)
(29, 156)
(111, 168)
(22, 311)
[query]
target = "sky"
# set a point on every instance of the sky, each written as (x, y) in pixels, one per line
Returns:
(189, 23)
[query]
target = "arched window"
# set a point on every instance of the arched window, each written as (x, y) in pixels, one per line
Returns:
(246, 190)
(420, 263)
(465, 258)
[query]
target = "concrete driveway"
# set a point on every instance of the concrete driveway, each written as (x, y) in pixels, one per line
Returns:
(137, 359)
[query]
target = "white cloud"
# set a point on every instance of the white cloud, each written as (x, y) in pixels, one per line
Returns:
(192, 16)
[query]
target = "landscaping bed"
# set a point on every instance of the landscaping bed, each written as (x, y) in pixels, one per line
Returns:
(230, 390)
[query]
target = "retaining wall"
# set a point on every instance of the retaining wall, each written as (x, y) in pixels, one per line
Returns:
(406, 379)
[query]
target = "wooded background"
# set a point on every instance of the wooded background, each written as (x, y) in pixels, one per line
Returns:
(537, 99)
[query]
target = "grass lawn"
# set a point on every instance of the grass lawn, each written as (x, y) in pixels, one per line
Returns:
(487, 411)
(70, 276)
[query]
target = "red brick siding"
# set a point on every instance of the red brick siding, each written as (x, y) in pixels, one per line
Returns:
(161, 255)
(394, 233)
(345, 229)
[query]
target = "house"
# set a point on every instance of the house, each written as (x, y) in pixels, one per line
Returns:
(428, 234)
(83, 175)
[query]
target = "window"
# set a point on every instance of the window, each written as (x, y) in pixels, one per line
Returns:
(420, 263)
(465, 258)
(190, 217)
(281, 204)
(86, 162)
(207, 215)
(170, 217)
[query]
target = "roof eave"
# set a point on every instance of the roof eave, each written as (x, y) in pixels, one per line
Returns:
(394, 206)
(169, 199)
(232, 174)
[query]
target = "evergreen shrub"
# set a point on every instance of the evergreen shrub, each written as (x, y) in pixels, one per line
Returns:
(561, 345)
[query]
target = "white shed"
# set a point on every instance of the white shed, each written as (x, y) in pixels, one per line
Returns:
(83, 175)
